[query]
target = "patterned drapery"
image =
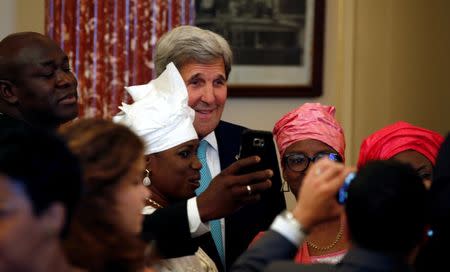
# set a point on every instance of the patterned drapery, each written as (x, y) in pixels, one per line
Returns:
(110, 44)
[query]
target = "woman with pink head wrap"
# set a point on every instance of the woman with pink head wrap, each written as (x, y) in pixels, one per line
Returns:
(304, 135)
(406, 143)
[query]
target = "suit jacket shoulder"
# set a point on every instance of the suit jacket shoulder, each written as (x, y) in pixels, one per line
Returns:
(356, 259)
(8, 123)
(290, 266)
(228, 137)
(271, 247)
(274, 253)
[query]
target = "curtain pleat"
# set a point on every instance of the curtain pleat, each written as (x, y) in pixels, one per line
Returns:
(110, 44)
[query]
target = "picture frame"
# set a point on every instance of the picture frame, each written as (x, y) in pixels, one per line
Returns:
(277, 44)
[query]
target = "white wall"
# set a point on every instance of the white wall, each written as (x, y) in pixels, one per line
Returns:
(401, 65)
(8, 17)
(21, 15)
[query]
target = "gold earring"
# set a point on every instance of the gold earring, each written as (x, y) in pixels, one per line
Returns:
(146, 181)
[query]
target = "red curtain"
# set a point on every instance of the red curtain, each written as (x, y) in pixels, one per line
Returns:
(111, 43)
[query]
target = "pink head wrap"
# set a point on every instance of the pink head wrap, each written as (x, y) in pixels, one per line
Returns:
(310, 121)
(398, 137)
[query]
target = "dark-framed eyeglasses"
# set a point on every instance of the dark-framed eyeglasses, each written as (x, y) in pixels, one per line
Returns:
(299, 162)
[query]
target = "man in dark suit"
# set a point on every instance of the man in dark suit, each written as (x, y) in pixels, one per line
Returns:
(37, 86)
(385, 213)
(204, 61)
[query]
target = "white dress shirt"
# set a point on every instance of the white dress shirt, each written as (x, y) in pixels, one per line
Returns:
(197, 227)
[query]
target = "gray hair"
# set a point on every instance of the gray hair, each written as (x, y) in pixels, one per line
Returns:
(190, 43)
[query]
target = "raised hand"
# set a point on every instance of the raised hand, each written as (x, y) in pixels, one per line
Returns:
(229, 191)
(317, 195)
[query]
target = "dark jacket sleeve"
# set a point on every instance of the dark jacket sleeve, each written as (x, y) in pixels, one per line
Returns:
(242, 226)
(290, 266)
(169, 228)
(272, 246)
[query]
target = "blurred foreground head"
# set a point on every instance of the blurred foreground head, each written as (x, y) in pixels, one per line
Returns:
(386, 208)
(40, 185)
(104, 234)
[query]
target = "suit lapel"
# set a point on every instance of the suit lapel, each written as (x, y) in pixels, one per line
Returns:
(228, 142)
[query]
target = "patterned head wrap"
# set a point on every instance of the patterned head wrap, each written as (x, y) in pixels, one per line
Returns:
(310, 121)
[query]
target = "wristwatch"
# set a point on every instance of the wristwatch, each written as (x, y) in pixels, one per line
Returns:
(289, 217)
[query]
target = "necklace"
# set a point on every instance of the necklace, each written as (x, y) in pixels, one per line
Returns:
(154, 203)
(330, 246)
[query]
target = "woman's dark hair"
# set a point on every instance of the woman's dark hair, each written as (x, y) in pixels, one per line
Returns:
(43, 165)
(106, 151)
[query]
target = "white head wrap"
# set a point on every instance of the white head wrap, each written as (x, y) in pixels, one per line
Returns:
(160, 114)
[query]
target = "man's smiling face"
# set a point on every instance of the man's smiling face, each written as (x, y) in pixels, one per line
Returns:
(207, 90)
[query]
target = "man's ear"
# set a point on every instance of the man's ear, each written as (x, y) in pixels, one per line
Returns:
(7, 91)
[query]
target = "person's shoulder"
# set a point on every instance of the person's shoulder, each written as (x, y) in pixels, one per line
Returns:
(224, 125)
(292, 266)
(10, 126)
(7, 121)
(228, 130)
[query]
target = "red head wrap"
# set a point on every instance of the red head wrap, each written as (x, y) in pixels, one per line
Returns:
(310, 121)
(401, 136)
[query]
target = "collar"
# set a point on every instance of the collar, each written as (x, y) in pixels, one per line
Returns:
(212, 140)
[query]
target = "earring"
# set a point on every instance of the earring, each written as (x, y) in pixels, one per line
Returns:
(284, 185)
(146, 181)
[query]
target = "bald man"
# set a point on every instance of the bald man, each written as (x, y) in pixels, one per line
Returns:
(37, 86)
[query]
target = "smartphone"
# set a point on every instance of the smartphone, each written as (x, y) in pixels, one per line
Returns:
(259, 143)
(342, 194)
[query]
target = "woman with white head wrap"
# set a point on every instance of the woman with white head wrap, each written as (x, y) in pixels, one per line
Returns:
(160, 115)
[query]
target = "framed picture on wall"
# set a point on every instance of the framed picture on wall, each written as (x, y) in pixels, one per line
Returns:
(277, 44)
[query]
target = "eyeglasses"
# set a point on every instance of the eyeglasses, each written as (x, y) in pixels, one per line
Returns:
(299, 162)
